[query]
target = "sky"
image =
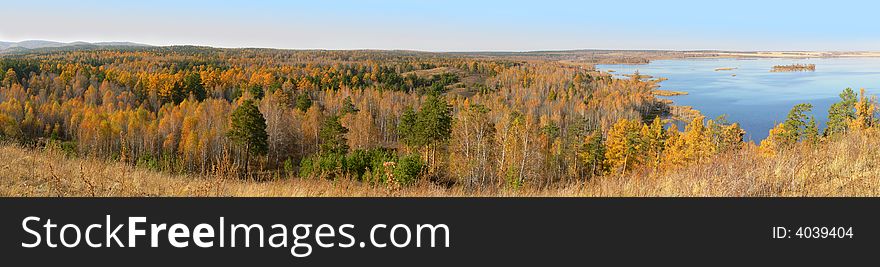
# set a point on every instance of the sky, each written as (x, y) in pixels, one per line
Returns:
(454, 25)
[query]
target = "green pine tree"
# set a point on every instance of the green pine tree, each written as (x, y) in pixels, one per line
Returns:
(841, 113)
(407, 129)
(303, 102)
(333, 136)
(795, 124)
(434, 124)
(348, 106)
(811, 132)
(593, 153)
(192, 83)
(257, 92)
(249, 130)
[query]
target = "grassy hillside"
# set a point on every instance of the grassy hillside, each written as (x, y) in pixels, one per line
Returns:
(846, 166)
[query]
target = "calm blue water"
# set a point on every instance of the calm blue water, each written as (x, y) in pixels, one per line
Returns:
(756, 97)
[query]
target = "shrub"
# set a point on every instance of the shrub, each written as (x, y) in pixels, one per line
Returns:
(288, 166)
(305, 167)
(408, 169)
(149, 162)
(361, 161)
(69, 148)
(363, 165)
(322, 164)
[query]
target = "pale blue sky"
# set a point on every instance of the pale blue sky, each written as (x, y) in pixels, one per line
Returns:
(455, 25)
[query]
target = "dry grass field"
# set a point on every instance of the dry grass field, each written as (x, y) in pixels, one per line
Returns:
(849, 166)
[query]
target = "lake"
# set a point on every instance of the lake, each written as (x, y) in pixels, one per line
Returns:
(755, 97)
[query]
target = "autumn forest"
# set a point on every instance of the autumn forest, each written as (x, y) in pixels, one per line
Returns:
(213, 121)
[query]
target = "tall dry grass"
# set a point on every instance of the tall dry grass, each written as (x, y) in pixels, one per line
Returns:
(848, 166)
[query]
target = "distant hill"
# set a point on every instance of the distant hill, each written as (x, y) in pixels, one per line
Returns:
(23, 46)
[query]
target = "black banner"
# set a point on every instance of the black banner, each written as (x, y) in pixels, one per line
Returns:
(463, 231)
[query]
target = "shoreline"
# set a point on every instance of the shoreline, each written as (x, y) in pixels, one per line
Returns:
(686, 55)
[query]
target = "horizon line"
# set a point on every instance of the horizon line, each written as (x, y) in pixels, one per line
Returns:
(436, 51)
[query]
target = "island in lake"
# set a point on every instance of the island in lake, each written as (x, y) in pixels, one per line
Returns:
(659, 92)
(794, 67)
